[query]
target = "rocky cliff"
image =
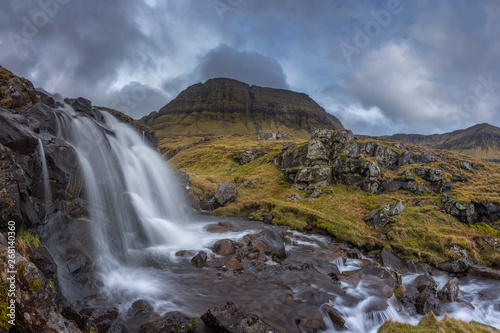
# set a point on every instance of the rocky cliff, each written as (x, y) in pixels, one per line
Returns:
(32, 158)
(226, 106)
(479, 141)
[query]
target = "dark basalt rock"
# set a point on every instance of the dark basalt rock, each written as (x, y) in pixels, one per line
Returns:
(220, 227)
(230, 319)
(428, 301)
(140, 308)
(269, 241)
(200, 259)
(224, 247)
(172, 322)
(382, 278)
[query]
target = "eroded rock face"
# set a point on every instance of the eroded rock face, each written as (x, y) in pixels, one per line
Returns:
(229, 318)
(310, 178)
(382, 216)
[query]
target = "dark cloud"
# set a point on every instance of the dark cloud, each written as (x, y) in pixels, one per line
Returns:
(415, 74)
(249, 67)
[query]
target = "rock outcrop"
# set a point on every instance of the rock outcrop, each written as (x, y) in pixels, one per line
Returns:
(226, 106)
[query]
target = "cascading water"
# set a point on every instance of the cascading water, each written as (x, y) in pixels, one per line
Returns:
(45, 173)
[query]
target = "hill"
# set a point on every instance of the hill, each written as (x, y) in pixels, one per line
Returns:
(226, 106)
(479, 141)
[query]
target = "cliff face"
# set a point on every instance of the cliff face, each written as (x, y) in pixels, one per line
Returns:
(479, 141)
(226, 106)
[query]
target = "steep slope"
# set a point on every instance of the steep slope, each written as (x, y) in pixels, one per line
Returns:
(225, 106)
(479, 141)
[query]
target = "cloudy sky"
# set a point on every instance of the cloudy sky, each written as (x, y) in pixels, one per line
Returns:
(381, 67)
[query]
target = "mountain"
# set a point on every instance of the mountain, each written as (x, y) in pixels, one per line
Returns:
(479, 141)
(227, 106)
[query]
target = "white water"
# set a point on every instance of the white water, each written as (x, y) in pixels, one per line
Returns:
(45, 173)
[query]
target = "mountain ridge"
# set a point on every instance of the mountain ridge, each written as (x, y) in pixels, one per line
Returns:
(480, 141)
(227, 106)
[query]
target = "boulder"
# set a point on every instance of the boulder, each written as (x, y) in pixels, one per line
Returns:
(270, 242)
(391, 261)
(310, 178)
(318, 152)
(172, 322)
(226, 193)
(140, 308)
(200, 259)
(427, 301)
(382, 216)
(230, 318)
(224, 247)
(434, 176)
(459, 266)
(483, 271)
(249, 155)
(342, 136)
(43, 260)
(425, 281)
(248, 183)
(449, 293)
(387, 157)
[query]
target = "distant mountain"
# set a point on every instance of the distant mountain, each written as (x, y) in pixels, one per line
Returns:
(480, 141)
(227, 106)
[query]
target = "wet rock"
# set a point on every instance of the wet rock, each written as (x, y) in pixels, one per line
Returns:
(342, 136)
(459, 266)
(390, 260)
(427, 301)
(108, 326)
(220, 227)
(483, 271)
(425, 281)
(269, 241)
(224, 247)
(99, 314)
(311, 178)
(140, 308)
(43, 261)
(335, 317)
(234, 265)
(383, 278)
(226, 193)
(172, 322)
(200, 259)
(230, 319)
(449, 293)
(83, 322)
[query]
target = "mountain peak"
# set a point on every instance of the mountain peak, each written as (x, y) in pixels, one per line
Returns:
(228, 106)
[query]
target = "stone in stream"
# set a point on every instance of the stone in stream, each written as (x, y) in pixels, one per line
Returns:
(335, 317)
(385, 279)
(427, 301)
(269, 241)
(220, 227)
(449, 293)
(224, 247)
(140, 308)
(172, 322)
(200, 259)
(229, 318)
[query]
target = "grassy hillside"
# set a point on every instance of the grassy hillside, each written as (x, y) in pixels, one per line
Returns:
(423, 232)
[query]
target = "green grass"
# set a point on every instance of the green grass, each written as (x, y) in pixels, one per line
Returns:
(430, 324)
(423, 232)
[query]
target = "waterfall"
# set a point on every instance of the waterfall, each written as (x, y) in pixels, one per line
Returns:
(132, 197)
(45, 173)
